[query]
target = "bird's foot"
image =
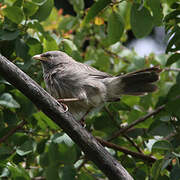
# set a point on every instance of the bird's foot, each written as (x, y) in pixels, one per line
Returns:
(82, 122)
(64, 106)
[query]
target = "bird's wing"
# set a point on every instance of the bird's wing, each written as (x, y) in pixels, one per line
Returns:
(91, 71)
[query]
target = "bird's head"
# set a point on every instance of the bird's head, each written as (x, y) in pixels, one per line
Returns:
(51, 59)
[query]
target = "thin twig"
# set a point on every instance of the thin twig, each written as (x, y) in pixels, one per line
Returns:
(12, 131)
(150, 159)
(133, 143)
(172, 69)
(142, 119)
(112, 117)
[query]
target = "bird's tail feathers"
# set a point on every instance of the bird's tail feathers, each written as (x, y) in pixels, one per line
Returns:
(135, 83)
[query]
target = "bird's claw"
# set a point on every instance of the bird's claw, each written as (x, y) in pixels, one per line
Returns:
(65, 107)
(82, 122)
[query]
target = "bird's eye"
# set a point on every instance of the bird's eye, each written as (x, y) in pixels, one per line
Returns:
(46, 55)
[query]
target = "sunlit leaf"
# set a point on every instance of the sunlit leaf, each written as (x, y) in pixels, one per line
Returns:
(7, 100)
(14, 13)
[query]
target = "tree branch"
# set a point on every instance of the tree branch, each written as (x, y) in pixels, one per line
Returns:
(93, 149)
(138, 155)
(141, 119)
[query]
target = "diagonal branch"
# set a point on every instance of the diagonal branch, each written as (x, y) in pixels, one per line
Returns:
(141, 119)
(138, 155)
(91, 147)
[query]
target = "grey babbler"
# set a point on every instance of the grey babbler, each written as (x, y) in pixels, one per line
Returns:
(81, 87)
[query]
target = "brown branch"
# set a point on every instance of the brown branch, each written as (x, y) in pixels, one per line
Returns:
(133, 143)
(91, 147)
(112, 117)
(138, 155)
(12, 131)
(140, 120)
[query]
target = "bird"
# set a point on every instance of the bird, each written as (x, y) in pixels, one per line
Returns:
(81, 87)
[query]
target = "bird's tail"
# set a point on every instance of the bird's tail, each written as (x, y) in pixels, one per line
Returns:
(134, 83)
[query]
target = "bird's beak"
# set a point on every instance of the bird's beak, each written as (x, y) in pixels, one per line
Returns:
(39, 57)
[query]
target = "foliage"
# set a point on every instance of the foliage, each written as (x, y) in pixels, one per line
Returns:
(38, 148)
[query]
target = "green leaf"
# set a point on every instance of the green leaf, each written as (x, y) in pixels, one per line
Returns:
(175, 173)
(162, 145)
(52, 172)
(115, 27)
(21, 49)
(60, 138)
(44, 159)
(62, 153)
(10, 117)
(67, 23)
(8, 101)
(161, 129)
(78, 5)
(5, 150)
(8, 35)
(141, 21)
(17, 172)
(165, 118)
(35, 47)
(103, 61)
(156, 8)
(172, 15)
(68, 46)
(49, 43)
(174, 40)
(30, 8)
(173, 107)
(39, 2)
(26, 148)
(95, 9)
(67, 173)
(14, 13)
(172, 59)
(85, 176)
(127, 161)
(139, 174)
(40, 116)
(156, 169)
(103, 123)
(166, 161)
(44, 10)
(173, 92)
(41, 146)
(27, 107)
(118, 106)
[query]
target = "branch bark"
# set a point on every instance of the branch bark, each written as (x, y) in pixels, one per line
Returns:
(138, 155)
(91, 147)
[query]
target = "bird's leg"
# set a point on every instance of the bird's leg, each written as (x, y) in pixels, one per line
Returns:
(68, 100)
(62, 101)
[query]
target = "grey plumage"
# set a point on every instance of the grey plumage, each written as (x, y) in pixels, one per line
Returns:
(66, 78)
